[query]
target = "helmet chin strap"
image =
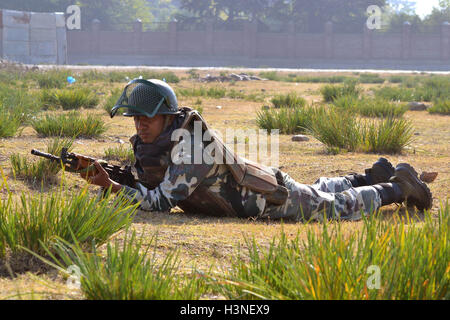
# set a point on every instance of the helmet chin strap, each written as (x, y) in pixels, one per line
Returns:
(167, 121)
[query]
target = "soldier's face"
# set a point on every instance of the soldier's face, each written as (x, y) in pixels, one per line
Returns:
(148, 129)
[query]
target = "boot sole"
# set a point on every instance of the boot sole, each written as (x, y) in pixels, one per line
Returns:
(407, 172)
(382, 168)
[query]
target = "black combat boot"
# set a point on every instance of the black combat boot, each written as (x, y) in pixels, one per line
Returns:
(405, 186)
(381, 171)
(416, 192)
(390, 193)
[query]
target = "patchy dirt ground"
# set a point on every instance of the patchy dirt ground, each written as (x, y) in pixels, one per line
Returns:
(204, 240)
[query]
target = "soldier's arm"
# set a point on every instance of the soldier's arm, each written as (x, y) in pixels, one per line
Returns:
(179, 182)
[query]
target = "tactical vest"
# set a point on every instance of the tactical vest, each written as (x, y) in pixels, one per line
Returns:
(254, 176)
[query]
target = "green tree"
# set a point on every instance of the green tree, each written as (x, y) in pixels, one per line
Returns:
(113, 14)
(36, 6)
(431, 23)
(396, 20)
(434, 21)
(307, 15)
(226, 13)
(347, 16)
(406, 6)
(163, 10)
(444, 4)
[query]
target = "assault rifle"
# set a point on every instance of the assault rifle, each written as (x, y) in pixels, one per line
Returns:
(78, 163)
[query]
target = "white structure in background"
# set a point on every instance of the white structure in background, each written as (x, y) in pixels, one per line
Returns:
(32, 37)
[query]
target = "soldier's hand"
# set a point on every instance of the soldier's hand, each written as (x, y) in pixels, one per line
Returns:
(102, 179)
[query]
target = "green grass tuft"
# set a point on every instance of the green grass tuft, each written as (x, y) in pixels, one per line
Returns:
(52, 79)
(270, 75)
(112, 100)
(42, 170)
(337, 130)
(440, 107)
(9, 122)
(340, 130)
(293, 77)
(289, 100)
(67, 99)
(397, 79)
(435, 88)
(218, 93)
(396, 94)
(123, 153)
(129, 271)
(212, 92)
(370, 107)
(418, 89)
(71, 124)
(332, 92)
(370, 78)
(193, 74)
(386, 136)
(36, 220)
(19, 102)
(287, 120)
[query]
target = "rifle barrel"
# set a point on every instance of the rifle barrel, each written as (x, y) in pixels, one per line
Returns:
(45, 155)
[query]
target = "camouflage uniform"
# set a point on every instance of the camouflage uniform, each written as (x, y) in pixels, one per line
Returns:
(210, 189)
(197, 188)
(334, 196)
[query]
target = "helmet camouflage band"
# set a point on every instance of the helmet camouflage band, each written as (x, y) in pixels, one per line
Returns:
(147, 98)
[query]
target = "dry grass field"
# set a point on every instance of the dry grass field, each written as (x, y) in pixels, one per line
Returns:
(207, 241)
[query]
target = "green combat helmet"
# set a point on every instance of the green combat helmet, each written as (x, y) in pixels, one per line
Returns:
(147, 98)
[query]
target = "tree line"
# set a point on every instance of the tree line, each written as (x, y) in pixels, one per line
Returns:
(270, 15)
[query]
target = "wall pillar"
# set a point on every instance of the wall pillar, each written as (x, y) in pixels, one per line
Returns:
(246, 37)
(250, 43)
(445, 41)
(137, 36)
(367, 43)
(209, 38)
(329, 40)
(61, 38)
(291, 43)
(1, 33)
(95, 39)
(173, 37)
(43, 38)
(406, 40)
(253, 38)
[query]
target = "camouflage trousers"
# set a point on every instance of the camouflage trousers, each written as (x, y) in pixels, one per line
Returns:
(333, 196)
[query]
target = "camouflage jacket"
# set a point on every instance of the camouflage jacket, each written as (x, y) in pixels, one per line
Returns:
(208, 189)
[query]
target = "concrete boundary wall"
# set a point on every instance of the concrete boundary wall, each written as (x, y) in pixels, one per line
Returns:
(1, 33)
(236, 47)
(32, 37)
